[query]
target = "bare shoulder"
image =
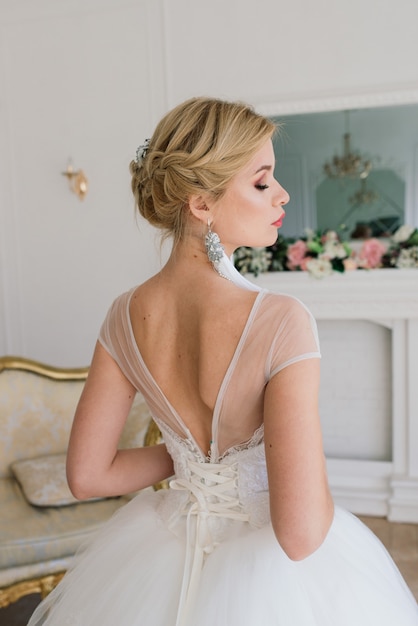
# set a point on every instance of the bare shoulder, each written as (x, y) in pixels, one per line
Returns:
(289, 310)
(285, 302)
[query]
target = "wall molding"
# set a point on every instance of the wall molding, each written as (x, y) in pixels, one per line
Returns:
(309, 103)
(157, 83)
(11, 320)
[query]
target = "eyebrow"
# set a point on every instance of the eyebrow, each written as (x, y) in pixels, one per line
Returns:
(263, 167)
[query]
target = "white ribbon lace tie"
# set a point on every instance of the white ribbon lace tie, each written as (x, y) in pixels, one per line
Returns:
(212, 490)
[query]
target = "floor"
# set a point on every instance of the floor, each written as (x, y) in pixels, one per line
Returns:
(400, 539)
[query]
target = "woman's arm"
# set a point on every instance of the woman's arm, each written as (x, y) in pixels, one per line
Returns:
(95, 466)
(300, 501)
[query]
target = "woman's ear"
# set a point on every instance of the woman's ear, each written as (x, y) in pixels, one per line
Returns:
(199, 207)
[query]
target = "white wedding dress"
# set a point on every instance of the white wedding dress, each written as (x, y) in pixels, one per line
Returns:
(203, 553)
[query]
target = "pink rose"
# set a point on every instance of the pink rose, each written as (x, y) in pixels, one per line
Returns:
(371, 253)
(296, 253)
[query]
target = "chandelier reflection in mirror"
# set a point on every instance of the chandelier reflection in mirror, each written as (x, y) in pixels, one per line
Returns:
(364, 195)
(350, 164)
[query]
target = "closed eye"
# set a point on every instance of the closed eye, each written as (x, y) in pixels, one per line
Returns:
(262, 187)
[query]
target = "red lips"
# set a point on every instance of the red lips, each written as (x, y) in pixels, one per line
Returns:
(279, 222)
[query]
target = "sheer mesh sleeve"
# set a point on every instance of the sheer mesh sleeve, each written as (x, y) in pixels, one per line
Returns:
(116, 337)
(296, 337)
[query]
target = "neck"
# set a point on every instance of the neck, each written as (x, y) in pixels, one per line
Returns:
(188, 257)
(189, 266)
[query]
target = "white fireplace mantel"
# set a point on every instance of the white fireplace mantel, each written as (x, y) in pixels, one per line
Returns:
(358, 294)
(388, 297)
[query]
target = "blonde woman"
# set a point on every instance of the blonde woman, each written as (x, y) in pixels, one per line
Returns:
(247, 534)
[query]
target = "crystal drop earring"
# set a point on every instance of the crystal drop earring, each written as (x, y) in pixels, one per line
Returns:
(214, 250)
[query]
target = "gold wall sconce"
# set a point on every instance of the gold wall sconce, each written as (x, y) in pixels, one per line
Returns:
(77, 181)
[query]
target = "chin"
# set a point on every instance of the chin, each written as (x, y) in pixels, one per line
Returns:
(269, 241)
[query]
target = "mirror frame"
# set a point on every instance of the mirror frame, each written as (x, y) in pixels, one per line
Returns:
(340, 102)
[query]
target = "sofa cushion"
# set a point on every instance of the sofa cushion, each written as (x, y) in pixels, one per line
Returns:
(31, 534)
(44, 480)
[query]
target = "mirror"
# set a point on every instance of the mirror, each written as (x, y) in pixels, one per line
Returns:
(377, 199)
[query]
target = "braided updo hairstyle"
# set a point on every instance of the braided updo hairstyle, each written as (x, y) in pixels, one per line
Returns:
(196, 148)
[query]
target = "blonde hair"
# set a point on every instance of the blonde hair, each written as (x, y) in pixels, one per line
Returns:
(196, 148)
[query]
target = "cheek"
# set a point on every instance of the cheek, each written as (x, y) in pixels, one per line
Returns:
(240, 212)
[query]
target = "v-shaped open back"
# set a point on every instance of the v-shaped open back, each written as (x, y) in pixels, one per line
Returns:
(259, 354)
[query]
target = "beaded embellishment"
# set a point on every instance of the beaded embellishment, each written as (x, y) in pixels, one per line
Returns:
(214, 248)
(141, 151)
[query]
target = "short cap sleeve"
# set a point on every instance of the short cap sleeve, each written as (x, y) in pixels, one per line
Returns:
(116, 337)
(296, 337)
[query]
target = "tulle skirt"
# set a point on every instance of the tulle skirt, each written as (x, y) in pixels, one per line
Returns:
(131, 574)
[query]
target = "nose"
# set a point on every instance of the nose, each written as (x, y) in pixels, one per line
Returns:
(281, 196)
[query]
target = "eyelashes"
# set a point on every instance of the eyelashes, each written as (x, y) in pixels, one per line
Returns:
(262, 187)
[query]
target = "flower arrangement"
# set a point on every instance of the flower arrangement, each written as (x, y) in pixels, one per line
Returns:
(321, 254)
(253, 260)
(403, 248)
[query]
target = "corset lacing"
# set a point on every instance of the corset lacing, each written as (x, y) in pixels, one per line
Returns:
(213, 491)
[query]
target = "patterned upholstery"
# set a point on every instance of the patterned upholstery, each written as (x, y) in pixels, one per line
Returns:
(37, 404)
(32, 535)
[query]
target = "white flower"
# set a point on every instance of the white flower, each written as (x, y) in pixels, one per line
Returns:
(408, 257)
(403, 233)
(319, 267)
(310, 234)
(331, 236)
(333, 249)
(252, 260)
(260, 261)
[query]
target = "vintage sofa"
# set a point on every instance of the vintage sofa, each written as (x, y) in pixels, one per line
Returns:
(41, 525)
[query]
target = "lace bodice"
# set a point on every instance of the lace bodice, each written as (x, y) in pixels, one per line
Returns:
(248, 460)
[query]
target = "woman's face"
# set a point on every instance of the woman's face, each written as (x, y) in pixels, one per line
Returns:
(251, 210)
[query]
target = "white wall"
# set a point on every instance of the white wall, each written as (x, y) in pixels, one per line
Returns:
(88, 79)
(75, 84)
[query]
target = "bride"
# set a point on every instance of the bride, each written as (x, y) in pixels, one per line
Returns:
(247, 534)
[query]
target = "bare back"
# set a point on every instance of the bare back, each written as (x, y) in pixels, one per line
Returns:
(203, 359)
(188, 343)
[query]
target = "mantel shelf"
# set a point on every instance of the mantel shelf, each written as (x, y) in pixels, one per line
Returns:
(358, 294)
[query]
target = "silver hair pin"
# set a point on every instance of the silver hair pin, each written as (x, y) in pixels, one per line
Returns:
(141, 151)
